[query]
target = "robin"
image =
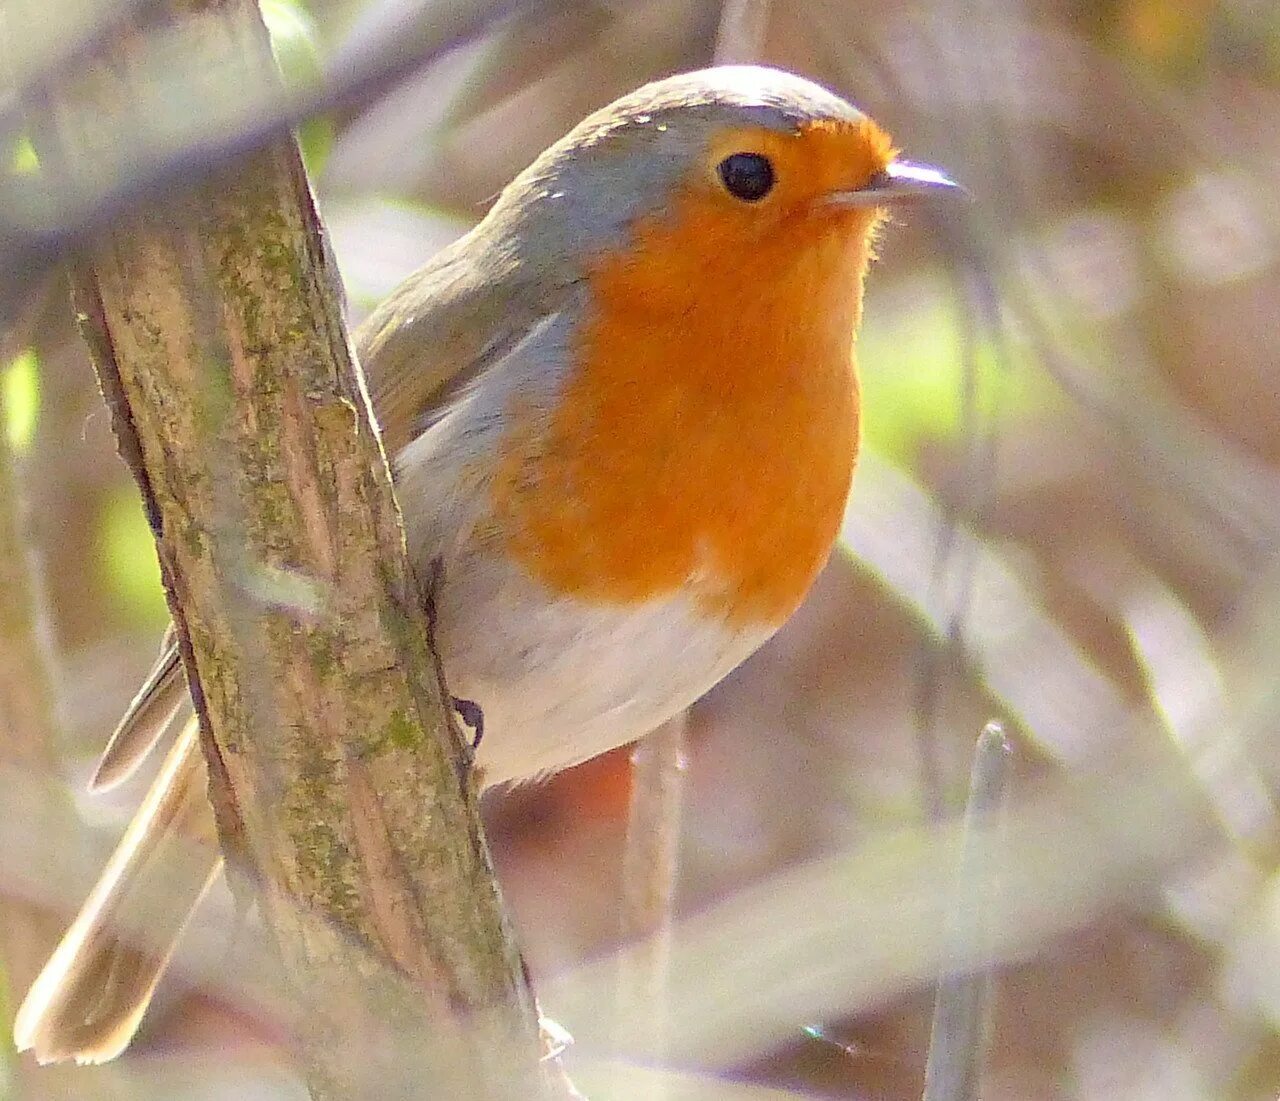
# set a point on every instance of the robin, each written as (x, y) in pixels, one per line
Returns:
(623, 417)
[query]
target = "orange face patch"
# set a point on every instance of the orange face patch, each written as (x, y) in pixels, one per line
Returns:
(707, 432)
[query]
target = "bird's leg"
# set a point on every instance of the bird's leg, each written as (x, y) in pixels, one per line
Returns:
(467, 710)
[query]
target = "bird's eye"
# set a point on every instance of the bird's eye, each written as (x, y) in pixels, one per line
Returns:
(746, 176)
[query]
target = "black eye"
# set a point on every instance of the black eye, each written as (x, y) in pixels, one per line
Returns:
(746, 176)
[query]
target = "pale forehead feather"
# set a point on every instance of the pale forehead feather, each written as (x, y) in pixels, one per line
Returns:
(728, 95)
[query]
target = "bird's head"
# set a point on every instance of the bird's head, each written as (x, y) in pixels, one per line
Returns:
(732, 159)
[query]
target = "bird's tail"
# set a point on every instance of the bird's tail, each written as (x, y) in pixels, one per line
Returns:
(87, 1002)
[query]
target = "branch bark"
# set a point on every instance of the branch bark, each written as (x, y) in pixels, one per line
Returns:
(335, 770)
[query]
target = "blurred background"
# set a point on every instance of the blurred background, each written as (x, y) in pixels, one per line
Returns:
(1066, 519)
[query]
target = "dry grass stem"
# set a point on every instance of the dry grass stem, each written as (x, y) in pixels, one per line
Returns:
(961, 1014)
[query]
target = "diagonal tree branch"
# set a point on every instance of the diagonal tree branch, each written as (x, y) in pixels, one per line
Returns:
(335, 772)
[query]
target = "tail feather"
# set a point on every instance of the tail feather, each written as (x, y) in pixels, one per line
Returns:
(88, 1001)
(161, 699)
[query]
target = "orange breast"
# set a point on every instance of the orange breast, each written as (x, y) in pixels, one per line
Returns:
(707, 434)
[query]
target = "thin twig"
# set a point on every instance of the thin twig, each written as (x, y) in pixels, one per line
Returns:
(967, 493)
(657, 767)
(649, 867)
(649, 873)
(740, 38)
(957, 1048)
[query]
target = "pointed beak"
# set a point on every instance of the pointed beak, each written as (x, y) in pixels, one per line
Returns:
(901, 182)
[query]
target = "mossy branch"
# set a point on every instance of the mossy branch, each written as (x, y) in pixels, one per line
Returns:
(336, 774)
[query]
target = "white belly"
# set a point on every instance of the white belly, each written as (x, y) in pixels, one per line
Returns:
(560, 681)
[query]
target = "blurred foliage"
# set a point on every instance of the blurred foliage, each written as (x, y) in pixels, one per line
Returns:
(23, 157)
(295, 43)
(127, 558)
(1171, 37)
(915, 365)
(20, 399)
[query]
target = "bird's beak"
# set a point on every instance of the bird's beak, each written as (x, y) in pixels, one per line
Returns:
(900, 182)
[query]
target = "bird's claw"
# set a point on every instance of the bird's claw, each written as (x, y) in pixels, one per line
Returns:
(470, 713)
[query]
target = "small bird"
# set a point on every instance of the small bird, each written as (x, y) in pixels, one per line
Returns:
(623, 418)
